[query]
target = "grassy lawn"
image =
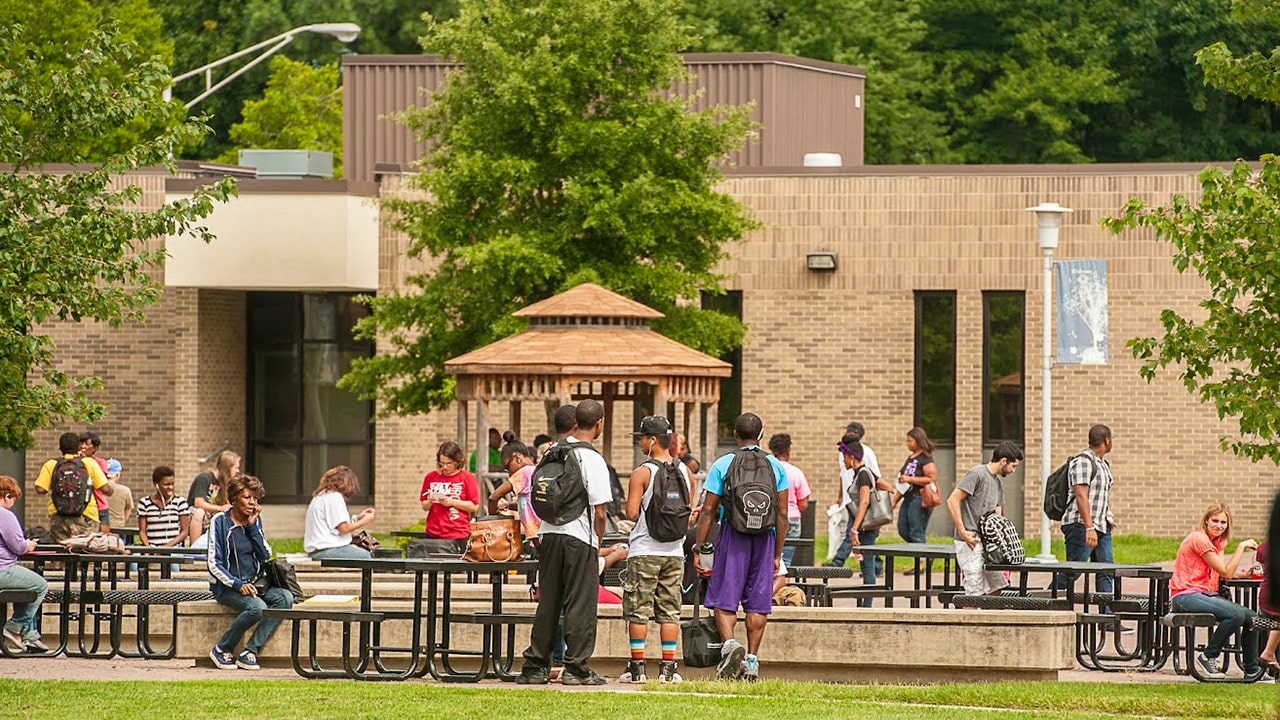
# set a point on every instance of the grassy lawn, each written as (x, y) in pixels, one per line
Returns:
(774, 700)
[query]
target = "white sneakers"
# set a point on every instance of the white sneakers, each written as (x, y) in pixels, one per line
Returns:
(731, 656)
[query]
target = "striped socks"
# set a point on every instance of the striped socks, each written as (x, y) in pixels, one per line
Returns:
(637, 649)
(668, 650)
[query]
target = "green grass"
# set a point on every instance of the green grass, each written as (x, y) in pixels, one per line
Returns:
(283, 546)
(770, 700)
(1136, 549)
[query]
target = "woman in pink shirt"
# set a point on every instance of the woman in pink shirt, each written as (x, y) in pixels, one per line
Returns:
(1194, 587)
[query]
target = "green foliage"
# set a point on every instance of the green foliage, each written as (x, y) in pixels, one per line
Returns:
(301, 109)
(51, 37)
(1230, 237)
(881, 36)
(554, 160)
(71, 247)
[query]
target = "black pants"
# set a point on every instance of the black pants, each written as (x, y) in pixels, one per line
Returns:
(568, 580)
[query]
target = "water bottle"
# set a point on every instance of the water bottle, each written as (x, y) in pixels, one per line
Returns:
(706, 556)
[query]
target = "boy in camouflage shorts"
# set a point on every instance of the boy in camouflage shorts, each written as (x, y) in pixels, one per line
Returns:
(651, 582)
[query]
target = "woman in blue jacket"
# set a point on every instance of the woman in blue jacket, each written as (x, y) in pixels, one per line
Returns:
(237, 550)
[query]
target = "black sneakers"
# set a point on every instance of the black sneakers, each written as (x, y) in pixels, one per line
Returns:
(591, 678)
(532, 676)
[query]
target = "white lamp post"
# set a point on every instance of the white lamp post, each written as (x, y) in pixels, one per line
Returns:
(343, 32)
(1049, 219)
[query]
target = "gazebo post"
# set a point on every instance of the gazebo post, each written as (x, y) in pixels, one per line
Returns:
(462, 423)
(482, 440)
(688, 422)
(515, 417)
(608, 390)
(711, 433)
(660, 398)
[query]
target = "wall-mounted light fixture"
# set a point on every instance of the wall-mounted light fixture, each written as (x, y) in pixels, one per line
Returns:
(821, 261)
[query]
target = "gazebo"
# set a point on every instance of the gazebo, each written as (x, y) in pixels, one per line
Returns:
(588, 342)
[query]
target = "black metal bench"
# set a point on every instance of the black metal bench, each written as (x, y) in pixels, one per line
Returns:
(1183, 639)
(313, 616)
(10, 597)
(492, 650)
(143, 600)
(1005, 602)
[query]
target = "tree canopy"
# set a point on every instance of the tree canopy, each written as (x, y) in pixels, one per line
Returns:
(556, 158)
(1228, 354)
(73, 243)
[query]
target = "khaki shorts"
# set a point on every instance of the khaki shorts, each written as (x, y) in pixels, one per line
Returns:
(651, 586)
(62, 527)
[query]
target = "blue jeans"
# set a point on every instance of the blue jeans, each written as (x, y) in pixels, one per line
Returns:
(16, 577)
(251, 608)
(913, 519)
(868, 537)
(1231, 617)
(1078, 551)
(793, 532)
(342, 551)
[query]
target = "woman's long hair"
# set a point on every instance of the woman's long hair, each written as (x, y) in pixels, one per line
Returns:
(339, 479)
(926, 445)
(1214, 509)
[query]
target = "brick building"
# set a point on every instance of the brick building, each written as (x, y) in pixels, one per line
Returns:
(936, 265)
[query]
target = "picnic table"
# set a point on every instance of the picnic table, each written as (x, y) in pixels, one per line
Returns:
(431, 619)
(922, 555)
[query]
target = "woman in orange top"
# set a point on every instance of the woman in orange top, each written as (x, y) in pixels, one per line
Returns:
(1194, 587)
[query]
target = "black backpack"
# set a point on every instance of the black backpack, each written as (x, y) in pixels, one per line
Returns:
(558, 493)
(751, 491)
(71, 488)
(1001, 544)
(1058, 492)
(667, 517)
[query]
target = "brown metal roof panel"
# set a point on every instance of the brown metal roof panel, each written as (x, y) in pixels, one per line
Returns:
(588, 300)
(612, 351)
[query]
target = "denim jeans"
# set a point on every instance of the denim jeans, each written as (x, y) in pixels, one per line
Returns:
(913, 519)
(16, 577)
(251, 608)
(1078, 551)
(1231, 617)
(868, 537)
(342, 551)
(793, 532)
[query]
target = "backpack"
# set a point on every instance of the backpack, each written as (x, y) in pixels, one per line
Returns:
(1001, 544)
(751, 491)
(1057, 490)
(667, 517)
(70, 488)
(558, 491)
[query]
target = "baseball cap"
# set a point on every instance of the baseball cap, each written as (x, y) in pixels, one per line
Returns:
(114, 467)
(654, 425)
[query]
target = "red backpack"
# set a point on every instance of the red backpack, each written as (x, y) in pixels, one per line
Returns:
(71, 488)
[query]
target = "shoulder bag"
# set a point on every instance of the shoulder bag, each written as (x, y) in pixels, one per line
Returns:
(495, 538)
(700, 638)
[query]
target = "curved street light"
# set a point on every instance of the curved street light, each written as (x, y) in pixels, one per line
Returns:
(343, 32)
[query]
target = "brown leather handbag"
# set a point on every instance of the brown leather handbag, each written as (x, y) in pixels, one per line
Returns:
(930, 496)
(494, 538)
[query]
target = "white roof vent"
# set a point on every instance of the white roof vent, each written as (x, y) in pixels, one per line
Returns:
(288, 164)
(822, 159)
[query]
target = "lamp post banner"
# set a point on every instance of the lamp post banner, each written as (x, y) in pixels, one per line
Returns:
(1082, 312)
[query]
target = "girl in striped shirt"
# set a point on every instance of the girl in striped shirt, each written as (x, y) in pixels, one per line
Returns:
(164, 519)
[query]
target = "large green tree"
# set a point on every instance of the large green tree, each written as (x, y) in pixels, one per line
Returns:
(1228, 353)
(73, 244)
(301, 109)
(556, 158)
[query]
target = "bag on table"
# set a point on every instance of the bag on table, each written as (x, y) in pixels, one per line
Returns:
(495, 538)
(700, 639)
(364, 540)
(930, 495)
(1001, 544)
(96, 544)
(281, 574)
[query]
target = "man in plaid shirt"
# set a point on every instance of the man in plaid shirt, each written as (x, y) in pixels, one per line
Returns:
(1088, 523)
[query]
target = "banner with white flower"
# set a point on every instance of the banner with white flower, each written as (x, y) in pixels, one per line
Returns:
(1082, 312)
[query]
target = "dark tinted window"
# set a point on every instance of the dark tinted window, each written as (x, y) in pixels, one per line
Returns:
(935, 359)
(1003, 350)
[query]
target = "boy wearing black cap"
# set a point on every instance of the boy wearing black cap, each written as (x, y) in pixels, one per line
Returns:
(655, 568)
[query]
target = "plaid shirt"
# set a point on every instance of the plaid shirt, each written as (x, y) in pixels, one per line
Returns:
(1089, 469)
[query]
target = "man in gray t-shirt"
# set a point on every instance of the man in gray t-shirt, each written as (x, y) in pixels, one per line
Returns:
(979, 492)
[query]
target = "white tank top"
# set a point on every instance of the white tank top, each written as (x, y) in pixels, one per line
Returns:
(641, 542)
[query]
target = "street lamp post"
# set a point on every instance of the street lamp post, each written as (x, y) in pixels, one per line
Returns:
(342, 32)
(1049, 219)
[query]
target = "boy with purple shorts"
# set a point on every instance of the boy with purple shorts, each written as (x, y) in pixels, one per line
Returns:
(745, 564)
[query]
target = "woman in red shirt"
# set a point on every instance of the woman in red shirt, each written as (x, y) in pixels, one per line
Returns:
(1194, 587)
(449, 496)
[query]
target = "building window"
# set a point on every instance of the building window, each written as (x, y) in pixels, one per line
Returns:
(300, 423)
(730, 303)
(1003, 354)
(935, 383)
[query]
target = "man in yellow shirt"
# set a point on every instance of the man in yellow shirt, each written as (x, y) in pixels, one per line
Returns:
(67, 522)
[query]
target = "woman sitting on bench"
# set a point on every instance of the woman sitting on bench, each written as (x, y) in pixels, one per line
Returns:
(1194, 588)
(327, 533)
(19, 633)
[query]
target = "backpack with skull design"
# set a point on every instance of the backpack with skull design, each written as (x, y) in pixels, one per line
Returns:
(750, 491)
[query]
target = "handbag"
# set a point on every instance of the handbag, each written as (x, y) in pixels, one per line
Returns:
(96, 544)
(879, 510)
(930, 496)
(279, 573)
(700, 639)
(364, 540)
(494, 538)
